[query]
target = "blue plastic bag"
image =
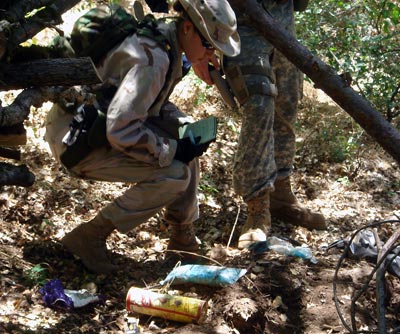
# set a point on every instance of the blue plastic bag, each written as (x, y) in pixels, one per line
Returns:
(201, 274)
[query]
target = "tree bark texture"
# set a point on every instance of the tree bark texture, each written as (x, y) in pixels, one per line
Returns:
(15, 175)
(19, 110)
(323, 76)
(48, 72)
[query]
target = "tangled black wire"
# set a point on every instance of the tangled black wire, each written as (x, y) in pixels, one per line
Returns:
(379, 269)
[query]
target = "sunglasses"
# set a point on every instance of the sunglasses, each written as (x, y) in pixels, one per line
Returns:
(206, 44)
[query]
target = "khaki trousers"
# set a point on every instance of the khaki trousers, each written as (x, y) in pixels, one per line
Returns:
(152, 188)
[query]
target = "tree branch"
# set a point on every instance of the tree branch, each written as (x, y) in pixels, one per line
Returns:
(49, 16)
(19, 110)
(49, 72)
(10, 154)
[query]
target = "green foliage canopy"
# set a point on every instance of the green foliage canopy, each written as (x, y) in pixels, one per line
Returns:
(361, 38)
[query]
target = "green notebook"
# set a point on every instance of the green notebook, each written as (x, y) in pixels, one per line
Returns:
(205, 128)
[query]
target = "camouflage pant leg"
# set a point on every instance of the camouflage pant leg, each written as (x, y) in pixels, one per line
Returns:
(288, 83)
(266, 143)
(254, 166)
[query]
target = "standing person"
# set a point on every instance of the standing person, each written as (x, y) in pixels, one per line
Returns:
(266, 148)
(141, 125)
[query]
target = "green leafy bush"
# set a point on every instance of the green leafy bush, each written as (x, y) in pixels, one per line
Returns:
(361, 38)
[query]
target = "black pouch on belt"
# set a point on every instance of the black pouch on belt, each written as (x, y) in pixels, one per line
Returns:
(87, 131)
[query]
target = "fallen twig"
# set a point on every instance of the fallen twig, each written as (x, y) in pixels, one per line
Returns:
(233, 228)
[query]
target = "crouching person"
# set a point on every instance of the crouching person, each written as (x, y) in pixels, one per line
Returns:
(141, 146)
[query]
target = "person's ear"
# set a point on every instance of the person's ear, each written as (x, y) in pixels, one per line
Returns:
(187, 26)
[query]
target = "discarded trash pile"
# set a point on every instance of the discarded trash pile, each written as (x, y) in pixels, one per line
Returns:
(366, 243)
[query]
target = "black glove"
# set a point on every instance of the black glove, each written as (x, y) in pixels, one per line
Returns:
(187, 151)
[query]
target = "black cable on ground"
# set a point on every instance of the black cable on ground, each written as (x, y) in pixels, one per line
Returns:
(352, 329)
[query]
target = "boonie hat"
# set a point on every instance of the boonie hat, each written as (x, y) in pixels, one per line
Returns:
(216, 21)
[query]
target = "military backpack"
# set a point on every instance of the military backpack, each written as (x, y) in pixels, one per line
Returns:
(101, 28)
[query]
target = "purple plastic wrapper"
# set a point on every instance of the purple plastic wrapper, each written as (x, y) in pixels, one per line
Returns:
(55, 296)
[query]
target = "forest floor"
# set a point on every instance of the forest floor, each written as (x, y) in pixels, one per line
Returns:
(338, 172)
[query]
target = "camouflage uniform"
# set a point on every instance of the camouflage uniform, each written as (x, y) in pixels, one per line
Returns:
(266, 144)
(140, 130)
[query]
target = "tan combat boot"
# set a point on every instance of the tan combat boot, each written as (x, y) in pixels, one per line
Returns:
(284, 206)
(88, 241)
(183, 238)
(258, 222)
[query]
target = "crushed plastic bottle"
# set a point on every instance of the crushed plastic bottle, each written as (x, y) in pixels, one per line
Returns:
(283, 247)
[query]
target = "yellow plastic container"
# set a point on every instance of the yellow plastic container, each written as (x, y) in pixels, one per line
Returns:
(176, 308)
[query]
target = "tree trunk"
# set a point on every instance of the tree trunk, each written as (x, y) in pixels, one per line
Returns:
(323, 76)
(48, 72)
